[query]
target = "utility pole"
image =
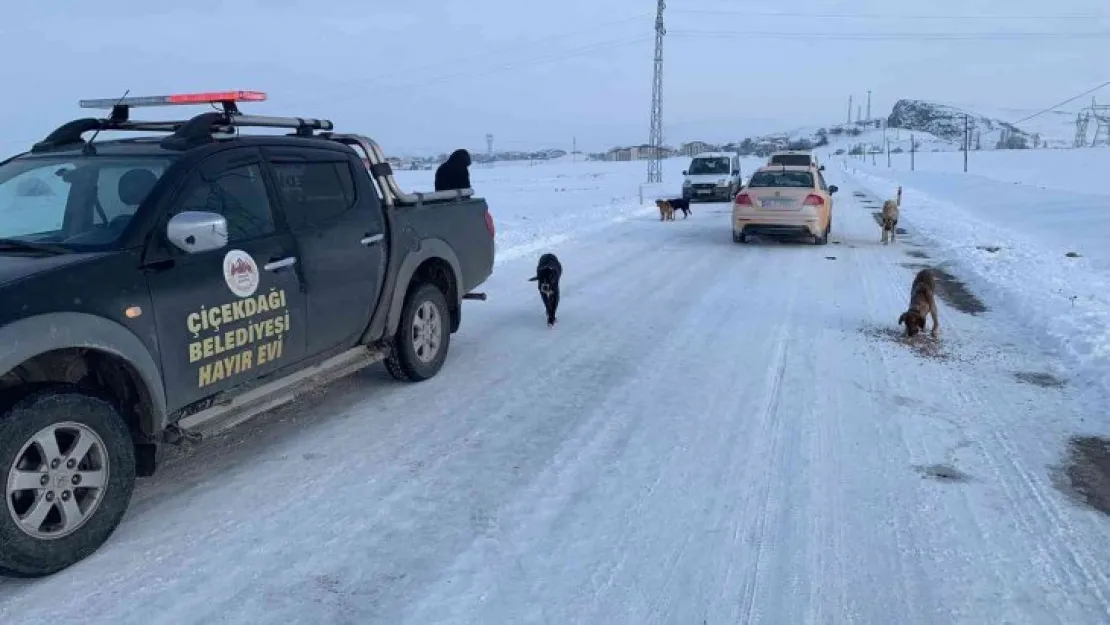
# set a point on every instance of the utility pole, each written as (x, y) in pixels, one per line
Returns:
(489, 146)
(913, 150)
(967, 140)
(868, 105)
(574, 149)
(655, 140)
(859, 113)
(849, 110)
(887, 153)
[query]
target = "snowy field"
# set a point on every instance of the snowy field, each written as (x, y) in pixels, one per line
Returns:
(714, 433)
(1011, 223)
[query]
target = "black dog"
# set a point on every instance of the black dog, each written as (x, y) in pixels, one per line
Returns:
(681, 204)
(548, 272)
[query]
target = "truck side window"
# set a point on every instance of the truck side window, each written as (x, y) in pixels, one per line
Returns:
(239, 195)
(314, 193)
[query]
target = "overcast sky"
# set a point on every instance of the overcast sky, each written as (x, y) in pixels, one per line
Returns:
(427, 76)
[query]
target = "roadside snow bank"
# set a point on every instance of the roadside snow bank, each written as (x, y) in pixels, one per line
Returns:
(1028, 279)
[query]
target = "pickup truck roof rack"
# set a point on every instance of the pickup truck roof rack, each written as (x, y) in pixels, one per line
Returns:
(199, 129)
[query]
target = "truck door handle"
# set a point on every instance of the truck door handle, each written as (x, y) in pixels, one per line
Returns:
(280, 264)
(372, 239)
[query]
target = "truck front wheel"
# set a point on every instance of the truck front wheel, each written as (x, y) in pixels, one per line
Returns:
(68, 464)
(422, 340)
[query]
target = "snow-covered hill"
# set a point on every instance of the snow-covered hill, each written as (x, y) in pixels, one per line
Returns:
(936, 126)
(950, 122)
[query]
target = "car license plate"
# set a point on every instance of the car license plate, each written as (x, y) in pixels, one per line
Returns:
(776, 202)
(703, 191)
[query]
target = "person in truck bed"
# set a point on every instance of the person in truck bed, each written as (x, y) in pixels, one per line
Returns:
(453, 173)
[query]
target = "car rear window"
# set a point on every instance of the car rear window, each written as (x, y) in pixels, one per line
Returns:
(792, 159)
(793, 179)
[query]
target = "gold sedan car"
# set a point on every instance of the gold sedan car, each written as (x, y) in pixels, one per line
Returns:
(784, 201)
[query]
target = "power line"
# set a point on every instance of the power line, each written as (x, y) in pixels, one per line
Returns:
(1023, 36)
(889, 17)
(566, 54)
(529, 43)
(1058, 105)
(563, 55)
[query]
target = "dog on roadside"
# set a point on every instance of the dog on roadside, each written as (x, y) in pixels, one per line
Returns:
(666, 211)
(548, 273)
(890, 222)
(667, 208)
(922, 302)
(681, 204)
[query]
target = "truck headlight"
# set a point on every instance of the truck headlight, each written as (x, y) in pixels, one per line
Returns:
(685, 183)
(722, 183)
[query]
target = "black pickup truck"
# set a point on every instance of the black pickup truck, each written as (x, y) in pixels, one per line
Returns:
(190, 274)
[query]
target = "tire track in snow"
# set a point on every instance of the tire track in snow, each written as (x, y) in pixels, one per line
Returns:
(1059, 556)
(1069, 558)
(533, 513)
(770, 423)
(880, 369)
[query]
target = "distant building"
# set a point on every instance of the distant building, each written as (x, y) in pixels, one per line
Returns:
(696, 147)
(638, 153)
(619, 154)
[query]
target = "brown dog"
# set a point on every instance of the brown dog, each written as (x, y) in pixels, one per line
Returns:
(666, 211)
(890, 222)
(922, 302)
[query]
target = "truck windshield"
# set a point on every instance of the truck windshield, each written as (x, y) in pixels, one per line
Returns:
(702, 166)
(80, 203)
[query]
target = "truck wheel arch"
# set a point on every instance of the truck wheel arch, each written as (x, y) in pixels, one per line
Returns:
(26, 339)
(434, 256)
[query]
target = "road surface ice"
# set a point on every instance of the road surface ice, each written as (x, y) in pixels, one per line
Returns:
(713, 433)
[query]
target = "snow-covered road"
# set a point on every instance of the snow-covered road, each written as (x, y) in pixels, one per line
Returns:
(713, 433)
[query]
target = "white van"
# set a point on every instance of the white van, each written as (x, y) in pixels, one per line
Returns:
(794, 158)
(712, 176)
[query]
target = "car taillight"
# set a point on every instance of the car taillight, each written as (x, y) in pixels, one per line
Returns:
(814, 200)
(489, 225)
(743, 199)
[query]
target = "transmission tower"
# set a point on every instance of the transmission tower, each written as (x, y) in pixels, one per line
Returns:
(655, 164)
(489, 146)
(1101, 114)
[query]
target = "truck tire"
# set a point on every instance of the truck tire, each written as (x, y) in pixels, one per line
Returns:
(424, 336)
(63, 452)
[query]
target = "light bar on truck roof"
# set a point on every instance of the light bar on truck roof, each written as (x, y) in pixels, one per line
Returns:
(210, 97)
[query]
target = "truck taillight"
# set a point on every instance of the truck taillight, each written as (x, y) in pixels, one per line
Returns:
(489, 224)
(814, 200)
(743, 199)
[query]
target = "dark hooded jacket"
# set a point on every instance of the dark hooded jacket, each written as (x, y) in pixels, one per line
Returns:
(453, 174)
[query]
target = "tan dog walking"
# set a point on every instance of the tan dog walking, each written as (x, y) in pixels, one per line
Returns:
(922, 303)
(666, 211)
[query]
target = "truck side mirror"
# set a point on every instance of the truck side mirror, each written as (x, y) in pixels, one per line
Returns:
(833, 189)
(194, 232)
(821, 168)
(684, 173)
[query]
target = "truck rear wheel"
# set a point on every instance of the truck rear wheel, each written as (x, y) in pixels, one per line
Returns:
(68, 465)
(422, 340)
